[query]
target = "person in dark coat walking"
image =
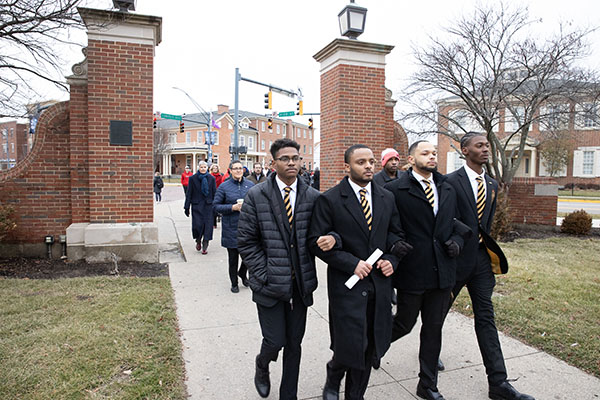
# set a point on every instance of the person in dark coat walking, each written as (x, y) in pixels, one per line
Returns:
(228, 202)
(272, 240)
(200, 195)
(473, 265)
(317, 179)
(390, 161)
(426, 276)
(360, 321)
(257, 175)
(158, 184)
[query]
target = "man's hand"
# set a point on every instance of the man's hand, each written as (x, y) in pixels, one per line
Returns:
(187, 212)
(326, 242)
(385, 266)
(362, 269)
(452, 248)
(401, 248)
(236, 207)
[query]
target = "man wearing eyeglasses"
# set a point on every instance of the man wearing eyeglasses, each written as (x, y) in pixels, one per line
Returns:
(272, 240)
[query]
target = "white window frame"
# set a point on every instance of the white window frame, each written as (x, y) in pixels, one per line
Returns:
(200, 136)
(304, 132)
(278, 129)
(453, 161)
(262, 144)
(310, 133)
(578, 162)
(510, 121)
(250, 142)
(188, 137)
(262, 126)
(546, 124)
(587, 167)
(587, 116)
(242, 139)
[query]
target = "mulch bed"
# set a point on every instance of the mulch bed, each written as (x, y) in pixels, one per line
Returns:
(32, 268)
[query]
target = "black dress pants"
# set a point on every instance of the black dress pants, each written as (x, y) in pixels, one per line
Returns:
(481, 286)
(433, 305)
(283, 326)
(233, 255)
(357, 380)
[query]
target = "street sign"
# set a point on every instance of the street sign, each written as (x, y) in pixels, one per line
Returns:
(287, 114)
(171, 116)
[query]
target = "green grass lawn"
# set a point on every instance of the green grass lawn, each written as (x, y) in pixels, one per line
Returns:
(550, 298)
(579, 193)
(89, 338)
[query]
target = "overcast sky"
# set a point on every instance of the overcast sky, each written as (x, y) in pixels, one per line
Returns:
(273, 41)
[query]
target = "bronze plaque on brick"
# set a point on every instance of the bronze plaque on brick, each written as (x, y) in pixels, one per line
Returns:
(121, 133)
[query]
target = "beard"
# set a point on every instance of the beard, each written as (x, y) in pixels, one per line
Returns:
(425, 167)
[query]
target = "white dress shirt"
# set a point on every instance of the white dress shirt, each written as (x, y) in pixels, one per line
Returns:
(473, 180)
(436, 200)
(357, 188)
(293, 192)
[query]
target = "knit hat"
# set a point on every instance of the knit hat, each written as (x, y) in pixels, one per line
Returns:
(387, 154)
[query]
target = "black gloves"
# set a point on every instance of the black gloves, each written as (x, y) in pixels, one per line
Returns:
(401, 248)
(452, 248)
(187, 212)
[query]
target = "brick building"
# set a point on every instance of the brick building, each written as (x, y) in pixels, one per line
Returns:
(581, 122)
(178, 149)
(14, 143)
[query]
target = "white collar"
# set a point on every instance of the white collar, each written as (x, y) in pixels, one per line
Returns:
(472, 174)
(356, 187)
(282, 185)
(421, 178)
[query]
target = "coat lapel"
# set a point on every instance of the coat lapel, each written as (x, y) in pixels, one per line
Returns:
(468, 189)
(274, 200)
(376, 207)
(351, 203)
(490, 195)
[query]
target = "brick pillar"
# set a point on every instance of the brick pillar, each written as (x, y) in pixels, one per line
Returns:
(112, 183)
(353, 103)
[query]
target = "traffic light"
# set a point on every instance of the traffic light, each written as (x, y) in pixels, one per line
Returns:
(181, 127)
(310, 123)
(269, 100)
(270, 124)
(299, 107)
(154, 125)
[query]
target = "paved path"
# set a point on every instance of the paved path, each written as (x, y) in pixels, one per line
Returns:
(221, 337)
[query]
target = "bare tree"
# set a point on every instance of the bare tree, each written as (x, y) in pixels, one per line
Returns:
(31, 31)
(489, 64)
(161, 146)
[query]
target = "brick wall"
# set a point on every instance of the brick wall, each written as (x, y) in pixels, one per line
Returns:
(528, 208)
(120, 79)
(39, 186)
(352, 111)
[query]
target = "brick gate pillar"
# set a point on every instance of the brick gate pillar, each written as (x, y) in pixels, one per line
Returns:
(112, 139)
(353, 103)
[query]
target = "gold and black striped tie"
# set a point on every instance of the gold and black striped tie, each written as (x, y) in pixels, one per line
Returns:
(480, 197)
(429, 192)
(365, 207)
(288, 205)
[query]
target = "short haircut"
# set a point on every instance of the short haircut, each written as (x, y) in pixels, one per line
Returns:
(350, 150)
(413, 147)
(466, 139)
(202, 163)
(282, 143)
(234, 162)
(257, 163)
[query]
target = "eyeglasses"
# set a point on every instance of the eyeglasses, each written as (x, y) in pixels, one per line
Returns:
(286, 159)
(236, 168)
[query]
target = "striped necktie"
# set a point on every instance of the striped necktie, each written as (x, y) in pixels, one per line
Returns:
(480, 198)
(429, 192)
(365, 207)
(288, 205)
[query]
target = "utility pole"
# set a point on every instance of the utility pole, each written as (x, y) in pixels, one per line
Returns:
(208, 121)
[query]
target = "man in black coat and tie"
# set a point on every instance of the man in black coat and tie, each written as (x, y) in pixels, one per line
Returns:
(364, 216)
(272, 240)
(476, 193)
(425, 277)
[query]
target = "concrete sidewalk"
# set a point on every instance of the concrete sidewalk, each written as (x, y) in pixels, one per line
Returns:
(221, 336)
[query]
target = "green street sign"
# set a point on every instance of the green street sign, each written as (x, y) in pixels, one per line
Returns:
(286, 114)
(170, 116)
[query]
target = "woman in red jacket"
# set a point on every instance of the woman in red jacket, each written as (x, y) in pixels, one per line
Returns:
(185, 178)
(214, 171)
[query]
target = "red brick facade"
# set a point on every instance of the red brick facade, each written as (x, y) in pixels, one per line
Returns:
(527, 207)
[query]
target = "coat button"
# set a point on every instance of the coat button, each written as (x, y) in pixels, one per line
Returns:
(292, 246)
(364, 294)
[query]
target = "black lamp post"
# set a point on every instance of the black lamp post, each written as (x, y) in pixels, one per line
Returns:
(352, 20)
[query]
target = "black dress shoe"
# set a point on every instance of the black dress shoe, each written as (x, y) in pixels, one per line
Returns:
(428, 394)
(262, 382)
(330, 393)
(245, 282)
(441, 365)
(235, 289)
(506, 391)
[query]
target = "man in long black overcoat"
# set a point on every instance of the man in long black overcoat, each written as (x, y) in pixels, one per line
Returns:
(359, 318)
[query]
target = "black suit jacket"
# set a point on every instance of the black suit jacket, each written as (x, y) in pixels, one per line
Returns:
(468, 215)
(339, 210)
(427, 266)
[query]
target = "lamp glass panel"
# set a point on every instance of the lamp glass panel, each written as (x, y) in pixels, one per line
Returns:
(344, 22)
(356, 20)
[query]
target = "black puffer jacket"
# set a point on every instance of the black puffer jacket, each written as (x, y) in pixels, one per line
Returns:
(264, 245)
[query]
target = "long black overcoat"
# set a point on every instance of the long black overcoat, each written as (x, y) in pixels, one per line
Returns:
(338, 210)
(427, 266)
(468, 215)
(202, 209)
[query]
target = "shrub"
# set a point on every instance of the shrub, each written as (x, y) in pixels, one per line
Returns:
(7, 222)
(592, 186)
(577, 223)
(569, 186)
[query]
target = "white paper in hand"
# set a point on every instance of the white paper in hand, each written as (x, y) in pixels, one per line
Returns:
(371, 260)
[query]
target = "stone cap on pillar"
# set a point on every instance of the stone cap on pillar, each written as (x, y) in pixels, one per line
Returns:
(352, 52)
(117, 26)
